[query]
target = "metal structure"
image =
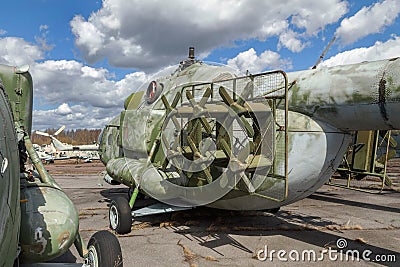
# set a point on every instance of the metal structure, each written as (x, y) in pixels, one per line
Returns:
(202, 134)
(38, 221)
(256, 128)
(366, 158)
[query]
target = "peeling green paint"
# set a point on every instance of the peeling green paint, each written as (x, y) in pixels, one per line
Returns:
(294, 96)
(322, 102)
(359, 98)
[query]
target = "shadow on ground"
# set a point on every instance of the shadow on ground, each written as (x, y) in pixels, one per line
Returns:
(213, 228)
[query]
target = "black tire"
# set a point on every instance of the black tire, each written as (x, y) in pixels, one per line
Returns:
(104, 250)
(120, 216)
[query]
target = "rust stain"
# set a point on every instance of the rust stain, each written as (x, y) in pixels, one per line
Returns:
(36, 248)
(63, 238)
(382, 98)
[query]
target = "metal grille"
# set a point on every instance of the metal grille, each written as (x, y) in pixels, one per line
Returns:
(269, 88)
(270, 85)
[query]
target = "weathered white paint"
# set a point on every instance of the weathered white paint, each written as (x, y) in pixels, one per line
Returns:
(315, 153)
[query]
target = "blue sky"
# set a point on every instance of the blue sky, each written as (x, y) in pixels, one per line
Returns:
(27, 17)
(87, 56)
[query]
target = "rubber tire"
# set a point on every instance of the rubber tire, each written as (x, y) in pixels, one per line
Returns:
(124, 214)
(107, 248)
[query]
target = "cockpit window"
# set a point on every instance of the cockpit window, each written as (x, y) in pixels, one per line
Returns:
(153, 91)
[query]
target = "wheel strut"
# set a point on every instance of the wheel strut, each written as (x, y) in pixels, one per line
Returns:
(134, 196)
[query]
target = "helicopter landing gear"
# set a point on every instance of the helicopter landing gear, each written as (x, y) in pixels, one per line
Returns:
(104, 251)
(140, 195)
(120, 215)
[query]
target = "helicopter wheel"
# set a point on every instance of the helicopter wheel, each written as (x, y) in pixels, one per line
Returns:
(120, 216)
(104, 250)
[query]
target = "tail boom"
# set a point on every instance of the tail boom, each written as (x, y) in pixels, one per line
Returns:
(361, 96)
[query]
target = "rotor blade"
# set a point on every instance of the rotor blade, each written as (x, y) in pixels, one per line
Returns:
(248, 183)
(206, 125)
(205, 97)
(59, 130)
(190, 97)
(246, 125)
(244, 153)
(176, 100)
(225, 96)
(42, 133)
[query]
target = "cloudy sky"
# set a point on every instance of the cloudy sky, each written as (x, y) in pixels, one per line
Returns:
(87, 56)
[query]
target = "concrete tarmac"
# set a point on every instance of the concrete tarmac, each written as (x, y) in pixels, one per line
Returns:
(334, 226)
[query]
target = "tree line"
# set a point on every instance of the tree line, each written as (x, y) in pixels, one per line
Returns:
(73, 136)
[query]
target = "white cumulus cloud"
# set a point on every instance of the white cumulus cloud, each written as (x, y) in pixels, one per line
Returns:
(249, 60)
(16, 52)
(79, 117)
(291, 40)
(86, 97)
(368, 20)
(150, 34)
(63, 109)
(73, 82)
(380, 50)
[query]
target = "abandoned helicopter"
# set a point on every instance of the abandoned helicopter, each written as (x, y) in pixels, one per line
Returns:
(203, 134)
(38, 221)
